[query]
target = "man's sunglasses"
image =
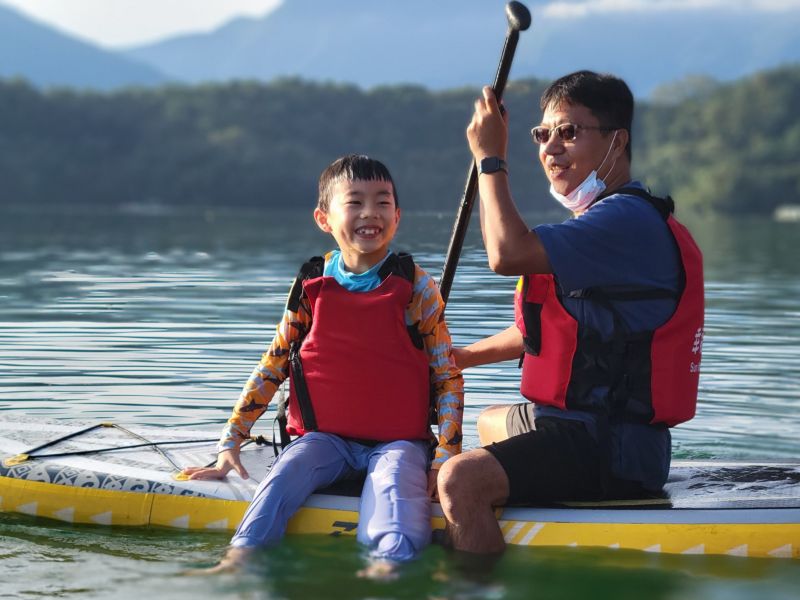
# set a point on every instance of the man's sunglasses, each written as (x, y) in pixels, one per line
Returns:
(566, 132)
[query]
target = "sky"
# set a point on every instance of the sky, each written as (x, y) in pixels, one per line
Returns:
(569, 8)
(121, 23)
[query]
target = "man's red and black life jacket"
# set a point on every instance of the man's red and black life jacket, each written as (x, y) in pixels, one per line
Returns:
(651, 376)
(359, 372)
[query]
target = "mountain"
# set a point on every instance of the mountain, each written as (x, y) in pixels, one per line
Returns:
(439, 44)
(451, 43)
(46, 57)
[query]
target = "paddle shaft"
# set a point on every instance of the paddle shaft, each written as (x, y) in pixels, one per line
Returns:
(471, 187)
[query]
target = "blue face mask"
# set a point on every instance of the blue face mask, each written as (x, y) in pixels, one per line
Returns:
(581, 198)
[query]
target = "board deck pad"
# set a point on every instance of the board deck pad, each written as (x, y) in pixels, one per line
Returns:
(691, 485)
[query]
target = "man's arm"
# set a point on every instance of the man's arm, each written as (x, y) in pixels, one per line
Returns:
(502, 346)
(512, 248)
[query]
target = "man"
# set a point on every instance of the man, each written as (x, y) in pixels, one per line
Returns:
(609, 318)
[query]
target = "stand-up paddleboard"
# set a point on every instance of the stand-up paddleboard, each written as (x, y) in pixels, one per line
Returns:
(115, 476)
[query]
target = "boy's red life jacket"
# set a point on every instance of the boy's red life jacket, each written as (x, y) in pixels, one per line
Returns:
(651, 376)
(360, 372)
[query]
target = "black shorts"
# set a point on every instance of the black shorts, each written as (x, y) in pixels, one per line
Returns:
(553, 459)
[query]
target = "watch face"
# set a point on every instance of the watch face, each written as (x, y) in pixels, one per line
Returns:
(492, 164)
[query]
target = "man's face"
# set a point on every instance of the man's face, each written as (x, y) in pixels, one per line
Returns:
(567, 163)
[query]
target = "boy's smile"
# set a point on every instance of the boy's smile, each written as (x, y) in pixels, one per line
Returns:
(362, 217)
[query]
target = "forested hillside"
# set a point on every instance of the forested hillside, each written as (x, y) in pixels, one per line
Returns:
(731, 148)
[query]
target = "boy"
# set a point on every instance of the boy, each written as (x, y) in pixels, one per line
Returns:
(372, 341)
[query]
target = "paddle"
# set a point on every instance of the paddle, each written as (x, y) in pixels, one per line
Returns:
(519, 19)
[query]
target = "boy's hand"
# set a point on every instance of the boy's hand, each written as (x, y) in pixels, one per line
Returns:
(433, 476)
(226, 460)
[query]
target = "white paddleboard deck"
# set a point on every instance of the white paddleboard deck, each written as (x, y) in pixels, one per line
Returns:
(743, 501)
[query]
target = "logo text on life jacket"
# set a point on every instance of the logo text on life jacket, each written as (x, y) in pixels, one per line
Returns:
(697, 345)
(697, 349)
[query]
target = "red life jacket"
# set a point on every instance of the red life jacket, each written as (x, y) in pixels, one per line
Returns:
(360, 372)
(651, 376)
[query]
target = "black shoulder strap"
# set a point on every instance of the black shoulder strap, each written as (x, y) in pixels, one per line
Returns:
(314, 267)
(664, 206)
(310, 269)
(401, 264)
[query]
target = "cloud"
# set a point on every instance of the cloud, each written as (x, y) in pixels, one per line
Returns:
(124, 22)
(582, 8)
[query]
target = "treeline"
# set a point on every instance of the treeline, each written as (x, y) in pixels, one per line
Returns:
(731, 148)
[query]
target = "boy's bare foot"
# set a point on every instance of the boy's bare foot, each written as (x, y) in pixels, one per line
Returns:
(233, 561)
(380, 570)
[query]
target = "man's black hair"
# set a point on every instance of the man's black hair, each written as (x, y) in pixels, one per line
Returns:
(608, 97)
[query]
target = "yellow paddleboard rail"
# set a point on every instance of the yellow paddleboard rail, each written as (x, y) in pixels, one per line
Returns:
(109, 507)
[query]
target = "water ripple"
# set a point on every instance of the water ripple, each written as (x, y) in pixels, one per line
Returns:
(167, 335)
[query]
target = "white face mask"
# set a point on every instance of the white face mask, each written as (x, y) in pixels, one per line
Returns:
(582, 196)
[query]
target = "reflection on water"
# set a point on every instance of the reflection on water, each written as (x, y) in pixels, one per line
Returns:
(40, 559)
(159, 320)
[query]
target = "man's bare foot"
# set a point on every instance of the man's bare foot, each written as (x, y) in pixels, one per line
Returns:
(232, 562)
(380, 570)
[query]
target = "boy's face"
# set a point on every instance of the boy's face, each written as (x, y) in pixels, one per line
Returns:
(362, 217)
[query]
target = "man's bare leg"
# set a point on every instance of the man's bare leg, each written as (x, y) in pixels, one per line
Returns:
(470, 486)
(492, 424)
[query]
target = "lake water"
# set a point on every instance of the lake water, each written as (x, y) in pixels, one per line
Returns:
(158, 320)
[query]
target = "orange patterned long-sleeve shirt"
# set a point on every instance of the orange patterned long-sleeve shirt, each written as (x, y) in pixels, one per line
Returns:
(426, 309)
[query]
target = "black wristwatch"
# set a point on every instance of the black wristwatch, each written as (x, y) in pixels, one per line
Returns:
(492, 164)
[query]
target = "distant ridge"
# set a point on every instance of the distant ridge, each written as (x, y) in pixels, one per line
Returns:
(451, 43)
(46, 57)
(439, 44)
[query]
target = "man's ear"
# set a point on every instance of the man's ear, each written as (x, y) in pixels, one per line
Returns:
(321, 217)
(623, 137)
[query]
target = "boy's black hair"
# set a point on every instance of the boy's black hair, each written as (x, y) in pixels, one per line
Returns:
(352, 167)
(608, 97)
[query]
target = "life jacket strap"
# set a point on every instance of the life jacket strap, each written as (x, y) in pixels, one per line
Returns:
(605, 294)
(281, 420)
(300, 387)
(310, 269)
(665, 206)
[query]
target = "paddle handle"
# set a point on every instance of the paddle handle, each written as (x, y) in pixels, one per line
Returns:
(470, 189)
